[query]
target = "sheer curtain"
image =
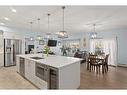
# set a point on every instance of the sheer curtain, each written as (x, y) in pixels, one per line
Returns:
(109, 47)
(92, 45)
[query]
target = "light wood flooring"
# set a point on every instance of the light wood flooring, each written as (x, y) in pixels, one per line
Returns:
(10, 79)
(116, 78)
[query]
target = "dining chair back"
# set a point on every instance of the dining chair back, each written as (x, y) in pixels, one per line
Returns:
(106, 62)
(93, 63)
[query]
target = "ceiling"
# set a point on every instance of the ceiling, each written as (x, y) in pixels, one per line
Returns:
(77, 18)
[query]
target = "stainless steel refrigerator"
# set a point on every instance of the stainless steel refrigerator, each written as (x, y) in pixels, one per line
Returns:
(12, 47)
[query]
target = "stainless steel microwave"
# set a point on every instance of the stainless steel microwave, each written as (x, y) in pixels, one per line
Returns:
(41, 71)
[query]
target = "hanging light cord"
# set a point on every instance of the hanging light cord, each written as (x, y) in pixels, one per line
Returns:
(31, 25)
(38, 23)
(94, 25)
(63, 33)
(48, 23)
(63, 16)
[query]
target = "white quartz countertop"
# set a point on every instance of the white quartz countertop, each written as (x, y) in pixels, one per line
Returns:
(52, 60)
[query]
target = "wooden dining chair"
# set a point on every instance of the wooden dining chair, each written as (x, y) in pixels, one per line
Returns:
(90, 55)
(106, 62)
(93, 63)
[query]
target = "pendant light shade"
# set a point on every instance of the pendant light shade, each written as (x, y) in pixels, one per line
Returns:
(38, 36)
(63, 33)
(94, 34)
(48, 34)
(31, 38)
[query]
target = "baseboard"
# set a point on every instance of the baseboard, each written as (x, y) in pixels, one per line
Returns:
(122, 65)
(112, 65)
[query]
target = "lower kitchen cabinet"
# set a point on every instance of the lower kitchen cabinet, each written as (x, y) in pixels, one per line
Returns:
(40, 83)
(22, 66)
(31, 76)
(45, 76)
(30, 70)
(1, 59)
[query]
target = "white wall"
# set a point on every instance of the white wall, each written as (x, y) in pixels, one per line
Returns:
(17, 33)
(122, 44)
(56, 49)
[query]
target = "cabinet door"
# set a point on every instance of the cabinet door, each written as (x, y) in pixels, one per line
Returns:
(17, 63)
(22, 67)
(40, 83)
(30, 75)
(1, 59)
(30, 70)
(26, 68)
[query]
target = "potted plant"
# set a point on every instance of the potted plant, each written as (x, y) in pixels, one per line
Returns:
(46, 50)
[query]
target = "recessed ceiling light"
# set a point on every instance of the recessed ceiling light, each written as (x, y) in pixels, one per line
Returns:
(13, 10)
(2, 24)
(6, 18)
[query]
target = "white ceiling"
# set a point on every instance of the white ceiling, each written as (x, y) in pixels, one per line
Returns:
(77, 18)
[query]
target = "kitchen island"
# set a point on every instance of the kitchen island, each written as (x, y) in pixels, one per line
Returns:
(52, 72)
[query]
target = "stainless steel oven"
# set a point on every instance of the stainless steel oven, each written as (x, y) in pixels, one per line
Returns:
(41, 71)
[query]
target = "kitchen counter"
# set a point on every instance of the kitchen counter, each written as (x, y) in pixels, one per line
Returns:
(52, 72)
(52, 60)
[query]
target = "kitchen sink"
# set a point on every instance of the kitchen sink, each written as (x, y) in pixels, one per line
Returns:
(37, 58)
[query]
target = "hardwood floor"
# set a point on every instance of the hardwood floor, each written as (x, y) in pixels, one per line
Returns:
(116, 78)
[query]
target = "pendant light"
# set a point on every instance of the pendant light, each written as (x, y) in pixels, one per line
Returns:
(63, 33)
(48, 35)
(94, 34)
(31, 38)
(39, 37)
